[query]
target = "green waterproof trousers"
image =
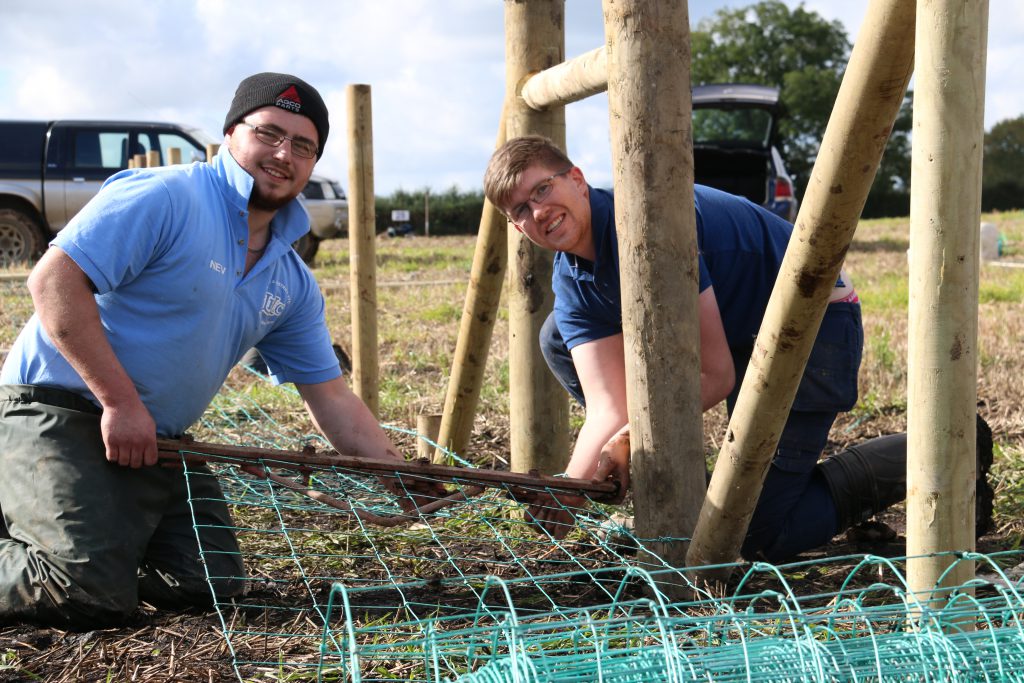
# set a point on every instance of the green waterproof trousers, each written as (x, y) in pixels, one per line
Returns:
(87, 539)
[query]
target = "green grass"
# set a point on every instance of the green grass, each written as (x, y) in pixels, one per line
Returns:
(418, 325)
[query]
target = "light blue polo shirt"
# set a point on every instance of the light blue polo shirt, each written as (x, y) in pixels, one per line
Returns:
(165, 249)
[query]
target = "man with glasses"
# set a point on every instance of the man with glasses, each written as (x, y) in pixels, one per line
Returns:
(803, 503)
(143, 304)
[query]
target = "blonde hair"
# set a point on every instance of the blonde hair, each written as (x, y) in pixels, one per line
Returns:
(509, 162)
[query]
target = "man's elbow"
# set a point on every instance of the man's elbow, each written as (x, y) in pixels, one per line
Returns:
(38, 283)
(57, 275)
(716, 388)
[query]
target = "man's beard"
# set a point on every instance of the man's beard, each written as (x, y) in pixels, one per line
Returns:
(257, 200)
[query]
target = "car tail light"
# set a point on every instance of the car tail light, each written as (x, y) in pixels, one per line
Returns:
(783, 188)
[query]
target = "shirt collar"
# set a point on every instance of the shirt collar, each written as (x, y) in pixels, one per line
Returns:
(290, 222)
(602, 231)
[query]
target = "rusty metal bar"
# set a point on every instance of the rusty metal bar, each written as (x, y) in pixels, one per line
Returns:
(309, 459)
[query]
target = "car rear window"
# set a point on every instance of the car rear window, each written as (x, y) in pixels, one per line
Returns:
(732, 127)
(313, 191)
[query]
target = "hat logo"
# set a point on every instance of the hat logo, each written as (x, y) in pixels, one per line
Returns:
(290, 100)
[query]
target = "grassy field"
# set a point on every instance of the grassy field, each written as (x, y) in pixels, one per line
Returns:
(422, 290)
(420, 297)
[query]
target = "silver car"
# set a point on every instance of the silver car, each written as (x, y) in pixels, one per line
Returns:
(327, 207)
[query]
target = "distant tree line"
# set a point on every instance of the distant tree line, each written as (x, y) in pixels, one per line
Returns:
(1002, 177)
(452, 212)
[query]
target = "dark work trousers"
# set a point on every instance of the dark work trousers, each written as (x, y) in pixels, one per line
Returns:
(88, 539)
(795, 511)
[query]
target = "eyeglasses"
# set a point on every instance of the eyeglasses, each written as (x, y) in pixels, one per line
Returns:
(540, 192)
(301, 147)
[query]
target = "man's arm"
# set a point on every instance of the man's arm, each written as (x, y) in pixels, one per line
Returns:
(348, 424)
(345, 421)
(63, 299)
(717, 374)
(601, 367)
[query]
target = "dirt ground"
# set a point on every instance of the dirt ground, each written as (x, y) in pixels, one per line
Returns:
(164, 646)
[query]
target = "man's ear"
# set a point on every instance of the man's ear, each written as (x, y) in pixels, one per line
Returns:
(576, 173)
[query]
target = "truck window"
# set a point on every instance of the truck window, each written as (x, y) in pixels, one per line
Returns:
(22, 145)
(98, 149)
(189, 151)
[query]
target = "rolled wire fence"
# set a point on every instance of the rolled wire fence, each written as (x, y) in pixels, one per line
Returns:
(473, 592)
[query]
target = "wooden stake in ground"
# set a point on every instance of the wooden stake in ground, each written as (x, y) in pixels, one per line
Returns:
(427, 424)
(478, 316)
(866, 107)
(153, 158)
(538, 406)
(652, 165)
(211, 151)
(362, 239)
(945, 210)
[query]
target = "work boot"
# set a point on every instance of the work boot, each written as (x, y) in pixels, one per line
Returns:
(867, 478)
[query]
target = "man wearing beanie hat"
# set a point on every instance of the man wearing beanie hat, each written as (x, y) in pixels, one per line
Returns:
(144, 303)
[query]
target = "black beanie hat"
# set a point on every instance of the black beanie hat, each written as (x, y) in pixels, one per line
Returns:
(290, 93)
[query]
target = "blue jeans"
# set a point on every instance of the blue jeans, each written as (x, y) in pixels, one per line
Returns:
(795, 511)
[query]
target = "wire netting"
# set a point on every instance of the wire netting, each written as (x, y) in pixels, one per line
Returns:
(473, 592)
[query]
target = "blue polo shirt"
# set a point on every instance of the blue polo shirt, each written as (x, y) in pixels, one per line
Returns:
(740, 245)
(165, 250)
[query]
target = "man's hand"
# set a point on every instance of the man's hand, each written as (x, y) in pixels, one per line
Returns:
(613, 463)
(555, 513)
(129, 435)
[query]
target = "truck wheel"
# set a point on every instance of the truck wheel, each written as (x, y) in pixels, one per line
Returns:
(306, 247)
(21, 238)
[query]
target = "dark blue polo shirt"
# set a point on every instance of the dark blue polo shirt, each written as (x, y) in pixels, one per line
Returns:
(740, 244)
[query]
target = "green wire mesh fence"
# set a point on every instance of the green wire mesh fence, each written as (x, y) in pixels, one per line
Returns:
(473, 592)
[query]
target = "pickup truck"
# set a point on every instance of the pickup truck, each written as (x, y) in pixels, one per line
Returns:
(50, 169)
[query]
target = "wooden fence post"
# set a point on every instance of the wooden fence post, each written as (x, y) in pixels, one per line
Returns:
(362, 240)
(538, 406)
(427, 424)
(478, 317)
(652, 163)
(866, 107)
(945, 209)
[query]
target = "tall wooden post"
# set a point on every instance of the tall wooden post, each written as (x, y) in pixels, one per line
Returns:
(534, 40)
(211, 150)
(945, 208)
(478, 317)
(866, 107)
(362, 245)
(652, 163)
(174, 156)
(153, 158)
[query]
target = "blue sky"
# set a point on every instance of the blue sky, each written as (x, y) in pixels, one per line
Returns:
(435, 68)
